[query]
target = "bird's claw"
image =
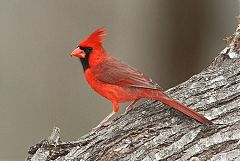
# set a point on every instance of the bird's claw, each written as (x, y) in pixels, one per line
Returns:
(95, 129)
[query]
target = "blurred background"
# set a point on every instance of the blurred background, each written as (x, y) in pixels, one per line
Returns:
(41, 86)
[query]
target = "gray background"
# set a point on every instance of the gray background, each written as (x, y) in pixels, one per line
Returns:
(41, 86)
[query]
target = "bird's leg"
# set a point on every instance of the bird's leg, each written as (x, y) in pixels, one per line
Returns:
(131, 106)
(103, 122)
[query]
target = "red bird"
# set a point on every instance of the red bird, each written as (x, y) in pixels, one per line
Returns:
(119, 82)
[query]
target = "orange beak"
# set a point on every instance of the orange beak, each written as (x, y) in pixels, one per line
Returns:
(78, 53)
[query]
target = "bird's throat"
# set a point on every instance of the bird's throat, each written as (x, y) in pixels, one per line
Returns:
(85, 62)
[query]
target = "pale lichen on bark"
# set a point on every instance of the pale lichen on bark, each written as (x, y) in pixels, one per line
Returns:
(154, 131)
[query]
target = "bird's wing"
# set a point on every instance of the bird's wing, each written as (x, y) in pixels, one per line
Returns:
(115, 72)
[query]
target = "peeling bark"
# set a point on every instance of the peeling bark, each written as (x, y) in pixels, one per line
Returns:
(154, 131)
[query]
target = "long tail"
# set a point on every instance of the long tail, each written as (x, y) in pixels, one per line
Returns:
(160, 96)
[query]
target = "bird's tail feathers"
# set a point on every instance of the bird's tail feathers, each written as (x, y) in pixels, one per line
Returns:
(160, 96)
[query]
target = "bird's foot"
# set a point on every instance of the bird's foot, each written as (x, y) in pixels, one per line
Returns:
(131, 106)
(95, 129)
(103, 122)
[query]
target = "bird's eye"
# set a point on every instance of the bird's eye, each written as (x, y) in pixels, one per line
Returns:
(87, 50)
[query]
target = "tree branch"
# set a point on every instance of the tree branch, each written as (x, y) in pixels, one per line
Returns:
(154, 131)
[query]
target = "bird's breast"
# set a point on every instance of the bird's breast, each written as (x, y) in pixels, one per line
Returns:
(110, 91)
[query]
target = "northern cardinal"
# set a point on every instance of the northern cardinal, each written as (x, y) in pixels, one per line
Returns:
(119, 82)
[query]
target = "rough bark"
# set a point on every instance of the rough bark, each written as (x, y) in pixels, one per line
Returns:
(154, 131)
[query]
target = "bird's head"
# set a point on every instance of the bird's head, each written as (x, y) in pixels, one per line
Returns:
(91, 44)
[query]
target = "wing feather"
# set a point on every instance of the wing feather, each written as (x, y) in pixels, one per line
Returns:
(113, 71)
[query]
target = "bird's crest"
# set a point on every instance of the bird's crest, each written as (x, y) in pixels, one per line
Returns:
(95, 39)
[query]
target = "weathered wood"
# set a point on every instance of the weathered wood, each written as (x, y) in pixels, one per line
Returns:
(154, 131)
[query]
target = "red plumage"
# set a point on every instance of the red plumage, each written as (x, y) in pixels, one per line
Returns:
(119, 82)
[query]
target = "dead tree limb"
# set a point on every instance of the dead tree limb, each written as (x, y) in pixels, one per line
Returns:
(155, 131)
